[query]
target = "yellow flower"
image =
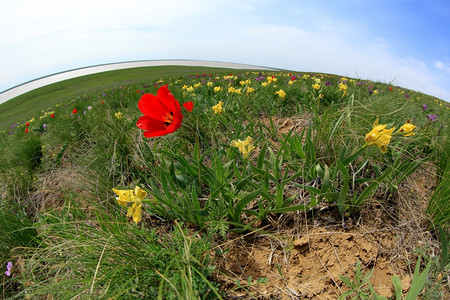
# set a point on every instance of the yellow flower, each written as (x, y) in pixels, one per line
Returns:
(217, 89)
(407, 129)
(135, 197)
(231, 90)
(190, 89)
(379, 136)
(218, 108)
(264, 84)
(245, 147)
(342, 87)
(119, 115)
(250, 90)
(281, 94)
(316, 86)
(290, 82)
(209, 83)
(197, 85)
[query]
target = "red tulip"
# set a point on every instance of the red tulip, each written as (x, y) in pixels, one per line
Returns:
(189, 105)
(52, 116)
(26, 129)
(162, 113)
(74, 111)
(27, 124)
(390, 88)
(102, 102)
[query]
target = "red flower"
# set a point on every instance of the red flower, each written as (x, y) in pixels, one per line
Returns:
(162, 113)
(26, 130)
(390, 88)
(52, 116)
(27, 124)
(102, 102)
(189, 106)
(74, 111)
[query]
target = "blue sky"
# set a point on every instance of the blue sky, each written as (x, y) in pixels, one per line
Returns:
(403, 42)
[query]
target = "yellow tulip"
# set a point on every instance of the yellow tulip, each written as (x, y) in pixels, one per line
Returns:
(379, 136)
(407, 129)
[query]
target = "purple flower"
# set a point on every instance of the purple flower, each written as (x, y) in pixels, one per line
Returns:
(257, 78)
(424, 107)
(44, 125)
(89, 107)
(8, 269)
(327, 83)
(104, 94)
(407, 96)
(432, 118)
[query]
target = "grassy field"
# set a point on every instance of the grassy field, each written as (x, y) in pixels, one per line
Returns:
(33, 102)
(202, 183)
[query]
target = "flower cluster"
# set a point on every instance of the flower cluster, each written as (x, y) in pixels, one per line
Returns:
(218, 108)
(381, 137)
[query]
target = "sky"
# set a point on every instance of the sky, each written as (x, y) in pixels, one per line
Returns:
(402, 42)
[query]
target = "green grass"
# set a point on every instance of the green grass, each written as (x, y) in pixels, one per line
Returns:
(305, 156)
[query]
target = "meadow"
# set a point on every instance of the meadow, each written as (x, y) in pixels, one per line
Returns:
(208, 183)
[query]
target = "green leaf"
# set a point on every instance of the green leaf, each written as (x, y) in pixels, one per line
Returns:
(242, 203)
(418, 280)
(300, 207)
(397, 287)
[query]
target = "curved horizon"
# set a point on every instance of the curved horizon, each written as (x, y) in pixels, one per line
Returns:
(33, 84)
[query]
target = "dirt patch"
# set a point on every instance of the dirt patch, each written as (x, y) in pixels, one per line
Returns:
(308, 267)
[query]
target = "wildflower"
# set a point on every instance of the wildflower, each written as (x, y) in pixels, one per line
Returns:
(135, 197)
(209, 83)
(89, 107)
(245, 147)
(316, 86)
(280, 94)
(217, 89)
(379, 136)
(27, 124)
(190, 89)
(390, 88)
(231, 90)
(407, 129)
(8, 268)
(26, 130)
(118, 115)
(44, 125)
(189, 106)
(424, 107)
(74, 111)
(102, 102)
(218, 108)
(162, 113)
(432, 118)
(250, 90)
(264, 84)
(342, 87)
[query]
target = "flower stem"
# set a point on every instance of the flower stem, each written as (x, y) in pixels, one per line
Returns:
(197, 140)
